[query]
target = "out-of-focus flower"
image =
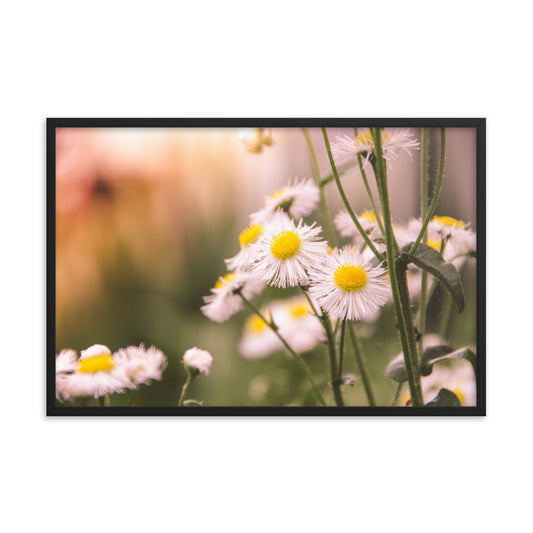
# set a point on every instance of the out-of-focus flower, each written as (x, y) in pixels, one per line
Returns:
(255, 138)
(224, 301)
(298, 325)
(258, 340)
(97, 374)
(246, 256)
(197, 360)
(285, 252)
(141, 365)
(346, 286)
(298, 200)
(347, 148)
(66, 364)
(458, 377)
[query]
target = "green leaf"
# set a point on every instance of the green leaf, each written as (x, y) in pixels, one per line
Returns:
(431, 261)
(432, 356)
(341, 169)
(445, 398)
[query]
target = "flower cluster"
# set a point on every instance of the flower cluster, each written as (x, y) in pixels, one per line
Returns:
(97, 372)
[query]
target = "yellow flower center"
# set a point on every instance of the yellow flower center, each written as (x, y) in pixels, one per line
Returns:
(459, 395)
(278, 194)
(366, 137)
(298, 310)
(228, 278)
(98, 363)
(435, 243)
(368, 216)
(285, 245)
(350, 277)
(250, 234)
(449, 222)
(255, 324)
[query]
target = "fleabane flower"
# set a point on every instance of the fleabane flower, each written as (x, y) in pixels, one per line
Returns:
(258, 340)
(66, 364)
(225, 301)
(197, 361)
(344, 223)
(298, 325)
(392, 142)
(346, 286)
(97, 374)
(141, 365)
(246, 256)
(286, 251)
(298, 200)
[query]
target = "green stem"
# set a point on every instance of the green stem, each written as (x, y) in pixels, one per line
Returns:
(397, 276)
(190, 379)
(362, 367)
(424, 177)
(345, 200)
(132, 397)
(101, 401)
(326, 219)
(436, 194)
(335, 381)
(341, 348)
(396, 394)
(369, 190)
(287, 347)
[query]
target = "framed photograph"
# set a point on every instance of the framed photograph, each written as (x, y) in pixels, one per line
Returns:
(266, 267)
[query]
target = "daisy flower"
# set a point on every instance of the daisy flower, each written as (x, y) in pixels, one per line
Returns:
(458, 377)
(141, 365)
(347, 148)
(97, 374)
(344, 223)
(246, 256)
(197, 360)
(298, 325)
(258, 340)
(224, 302)
(346, 286)
(298, 200)
(286, 251)
(254, 139)
(66, 364)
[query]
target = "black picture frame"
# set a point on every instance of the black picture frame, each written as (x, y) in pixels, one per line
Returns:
(53, 123)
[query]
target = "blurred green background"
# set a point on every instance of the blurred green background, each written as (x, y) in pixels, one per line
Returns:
(145, 218)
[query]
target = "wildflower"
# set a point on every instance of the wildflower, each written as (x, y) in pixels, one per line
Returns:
(197, 361)
(297, 200)
(246, 256)
(258, 340)
(225, 301)
(141, 365)
(97, 374)
(458, 377)
(285, 252)
(346, 286)
(347, 228)
(66, 364)
(254, 139)
(347, 148)
(298, 325)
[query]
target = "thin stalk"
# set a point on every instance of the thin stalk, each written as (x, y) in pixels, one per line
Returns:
(362, 367)
(132, 397)
(190, 379)
(101, 401)
(397, 277)
(345, 200)
(287, 347)
(326, 219)
(341, 347)
(369, 190)
(396, 394)
(424, 177)
(335, 381)
(436, 194)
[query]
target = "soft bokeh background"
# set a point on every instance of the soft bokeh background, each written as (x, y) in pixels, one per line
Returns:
(145, 218)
